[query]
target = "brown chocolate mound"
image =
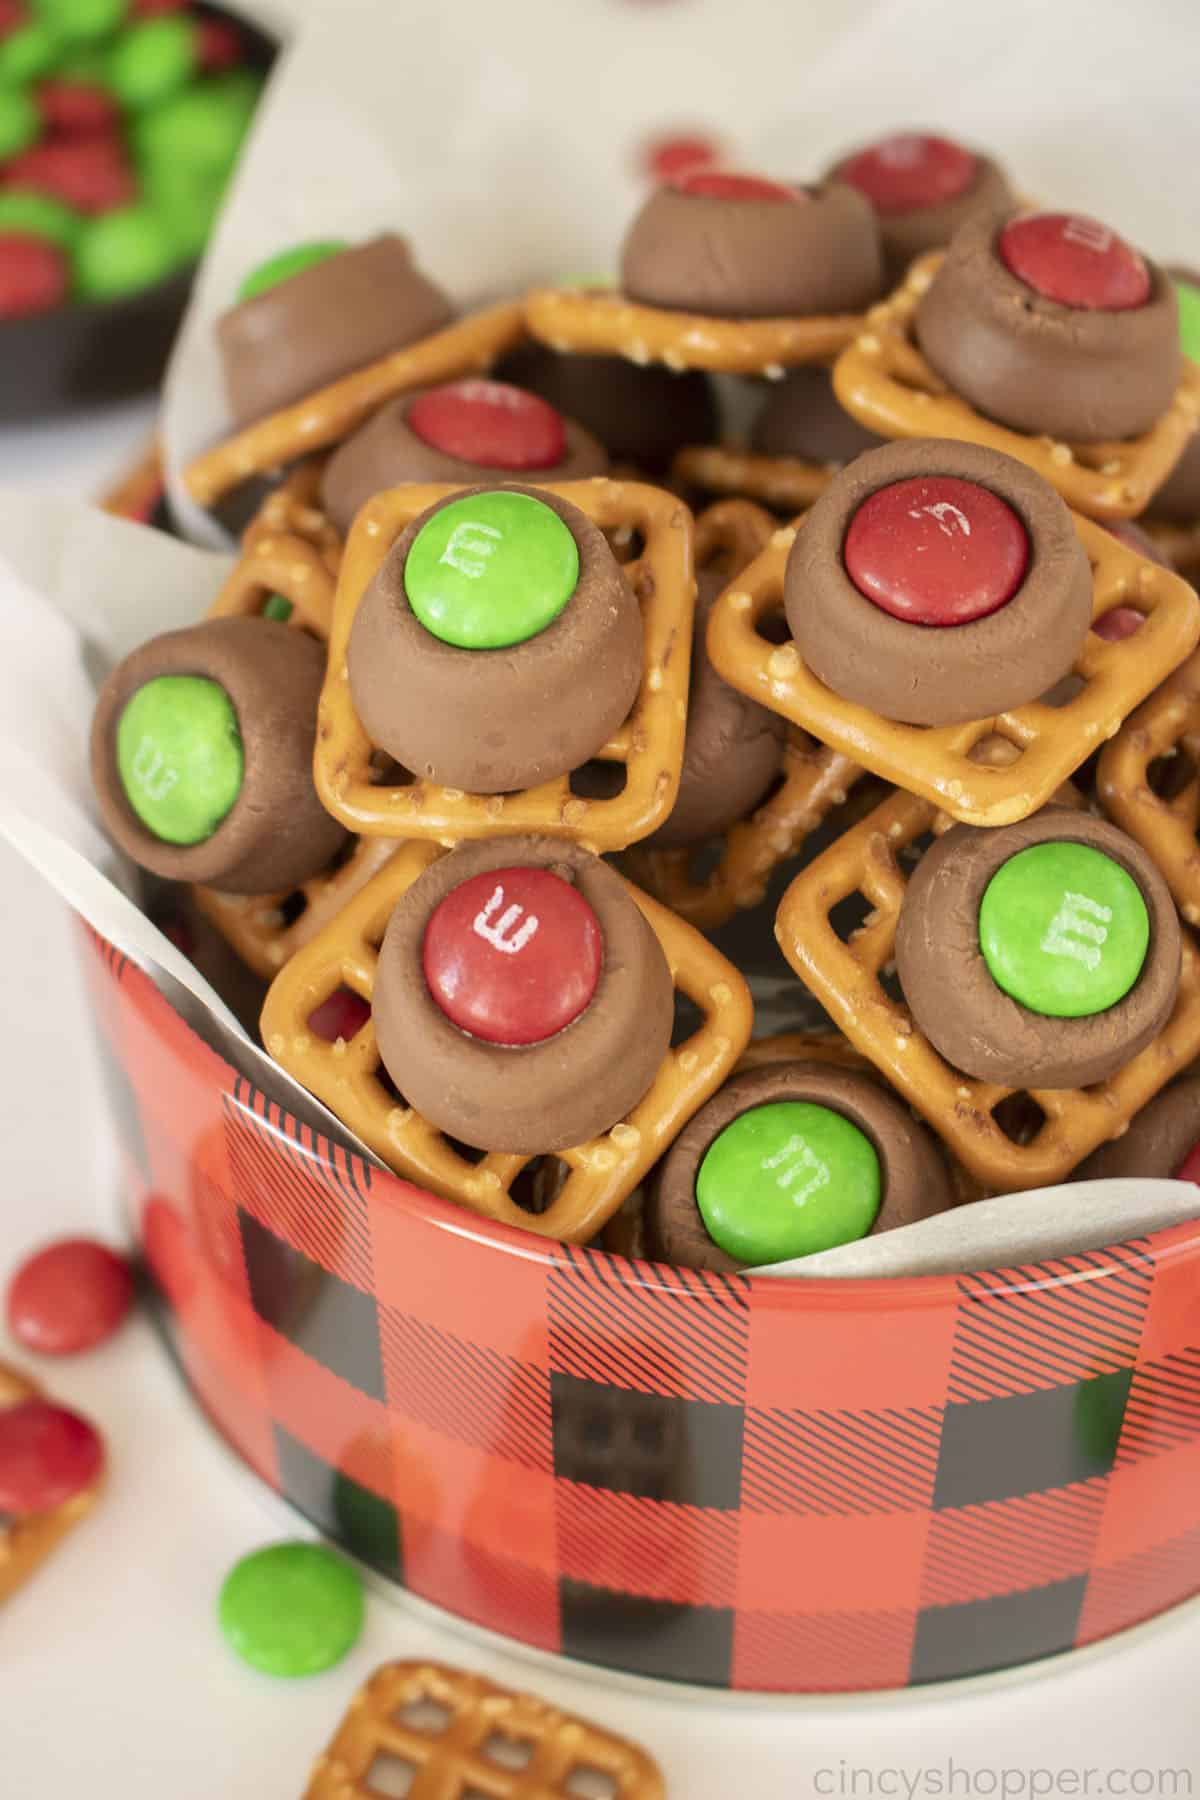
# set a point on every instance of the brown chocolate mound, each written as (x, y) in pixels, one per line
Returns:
(331, 319)
(1041, 367)
(386, 453)
(643, 416)
(1160, 1138)
(915, 1180)
(496, 721)
(907, 235)
(753, 259)
(930, 675)
(277, 834)
(803, 418)
(975, 1024)
(532, 1098)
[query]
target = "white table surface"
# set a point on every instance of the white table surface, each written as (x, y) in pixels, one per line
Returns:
(114, 1683)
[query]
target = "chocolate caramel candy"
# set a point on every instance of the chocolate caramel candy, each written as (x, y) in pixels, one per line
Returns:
(522, 1003)
(499, 646)
(935, 582)
(786, 1161)
(1178, 499)
(1053, 325)
(1162, 1141)
(923, 188)
(802, 418)
(459, 433)
(201, 754)
(318, 312)
(1043, 954)
(741, 247)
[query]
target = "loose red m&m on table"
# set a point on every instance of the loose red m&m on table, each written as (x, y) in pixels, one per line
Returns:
(1076, 261)
(490, 423)
(513, 956)
(731, 184)
(34, 275)
(47, 1456)
(69, 1296)
(936, 550)
(910, 170)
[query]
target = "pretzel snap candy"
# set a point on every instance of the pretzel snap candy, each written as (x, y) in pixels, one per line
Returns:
(883, 379)
(646, 746)
(1007, 1138)
(328, 416)
(51, 1472)
(936, 762)
(437, 1733)
(1149, 782)
(580, 1189)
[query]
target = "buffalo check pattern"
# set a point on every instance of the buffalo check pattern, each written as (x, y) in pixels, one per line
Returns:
(744, 1484)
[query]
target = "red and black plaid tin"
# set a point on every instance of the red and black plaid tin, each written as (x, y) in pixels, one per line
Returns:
(750, 1484)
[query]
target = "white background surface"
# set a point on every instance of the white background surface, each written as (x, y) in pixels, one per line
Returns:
(114, 1683)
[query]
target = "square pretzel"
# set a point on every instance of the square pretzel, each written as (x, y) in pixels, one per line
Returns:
(325, 418)
(1063, 1125)
(25, 1543)
(787, 484)
(936, 762)
(294, 510)
(284, 564)
(598, 1174)
(1163, 823)
(450, 1735)
(265, 930)
(883, 380)
(649, 744)
(599, 322)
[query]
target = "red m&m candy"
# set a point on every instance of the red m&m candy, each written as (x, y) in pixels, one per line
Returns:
(341, 1016)
(47, 1456)
(90, 174)
(218, 45)
(513, 956)
(729, 184)
(75, 108)
(1118, 624)
(34, 275)
(1189, 1168)
(490, 423)
(69, 1296)
(1076, 261)
(936, 550)
(910, 170)
(668, 158)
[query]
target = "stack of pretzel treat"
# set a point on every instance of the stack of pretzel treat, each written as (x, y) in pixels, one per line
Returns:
(541, 712)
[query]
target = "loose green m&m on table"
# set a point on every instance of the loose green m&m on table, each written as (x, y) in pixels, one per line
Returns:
(292, 1609)
(180, 757)
(787, 1179)
(491, 570)
(1188, 296)
(1064, 930)
(288, 263)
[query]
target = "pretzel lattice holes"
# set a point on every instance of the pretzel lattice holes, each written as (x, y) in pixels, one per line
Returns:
(27, 1542)
(1149, 783)
(1056, 1127)
(935, 762)
(649, 745)
(885, 382)
(436, 1733)
(595, 1176)
(293, 510)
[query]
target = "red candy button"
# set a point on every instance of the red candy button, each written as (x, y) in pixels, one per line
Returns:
(34, 277)
(47, 1455)
(935, 550)
(668, 158)
(489, 423)
(68, 1297)
(91, 174)
(727, 184)
(74, 108)
(1076, 261)
(1189, 1168)
(513, 956)
(904, 173)
(1118, 624)
(344, 1013)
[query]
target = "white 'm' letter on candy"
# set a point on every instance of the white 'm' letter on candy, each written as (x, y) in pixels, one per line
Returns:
(470, 547)
(496, 934)
(940, 511)
(1088, 235)
(155, 776)
(1078, 930)
(796, 1159)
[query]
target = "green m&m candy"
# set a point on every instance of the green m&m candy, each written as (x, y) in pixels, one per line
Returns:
(179, 756)
(200, 128)
(28, 53)
(491, 570)
(122, 252)
(1188, 296)
(278, 608)
(1064, 930)
(292, 1609)
(20, 121)
(152, 61)
(81, 21)
(39, 215)
(787, 1179)
(288, 263)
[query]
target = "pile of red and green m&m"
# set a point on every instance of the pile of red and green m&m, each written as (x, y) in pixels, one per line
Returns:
(120, 122)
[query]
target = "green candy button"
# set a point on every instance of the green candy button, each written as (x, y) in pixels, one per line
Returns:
(787, 1179)
(180, 757)
(491, 570)
(1064, 930)
(292, 1609)
(288, 263)
(1189, 319)
(278, 608)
